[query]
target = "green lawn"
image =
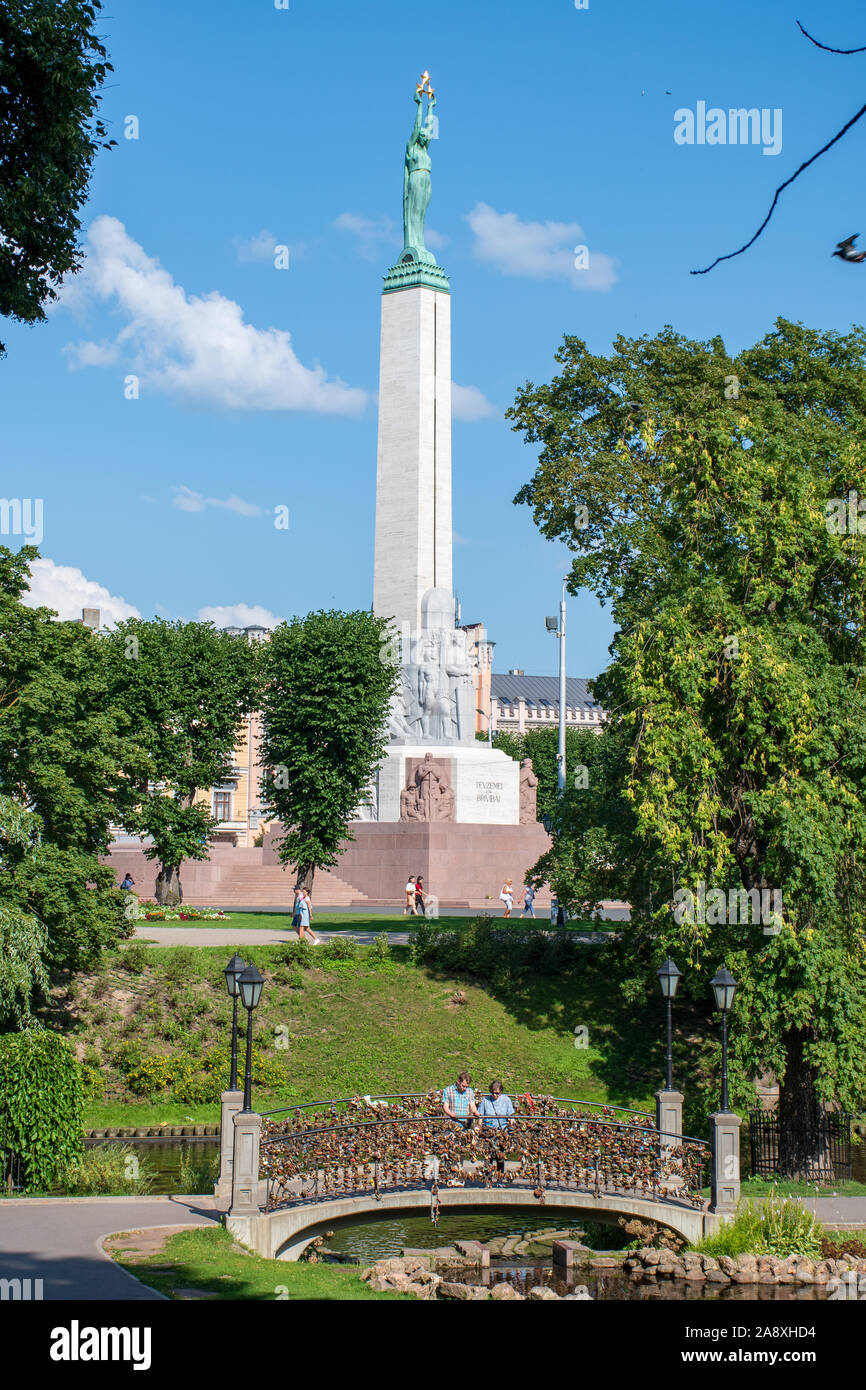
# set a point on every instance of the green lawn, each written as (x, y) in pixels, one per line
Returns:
(764, 1187)
(375, 922)
(209, 1260)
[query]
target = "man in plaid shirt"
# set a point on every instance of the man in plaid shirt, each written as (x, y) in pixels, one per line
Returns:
(458, 1101)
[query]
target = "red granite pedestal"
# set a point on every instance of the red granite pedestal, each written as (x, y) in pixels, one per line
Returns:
(463, 865)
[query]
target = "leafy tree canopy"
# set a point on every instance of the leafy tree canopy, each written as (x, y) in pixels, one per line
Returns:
(185, 688)
(702, 496)
(52, 66)
(327, 682)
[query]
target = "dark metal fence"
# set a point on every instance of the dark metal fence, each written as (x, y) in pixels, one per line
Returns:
(835, 1145)
(358, 1156)
(11, 1172)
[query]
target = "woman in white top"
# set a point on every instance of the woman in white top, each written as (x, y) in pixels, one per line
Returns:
(410, 899)
(507, 896)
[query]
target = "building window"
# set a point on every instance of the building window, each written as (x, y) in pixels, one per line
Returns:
(222, 805)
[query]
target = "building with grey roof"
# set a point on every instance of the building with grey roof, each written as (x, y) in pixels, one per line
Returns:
(520, 702)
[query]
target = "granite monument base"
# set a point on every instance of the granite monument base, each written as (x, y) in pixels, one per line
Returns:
(462, 865)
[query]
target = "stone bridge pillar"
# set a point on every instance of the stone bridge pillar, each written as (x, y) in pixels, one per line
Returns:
(247, 1191)
(669, 1119)
(230, 1103)
(725, 1152)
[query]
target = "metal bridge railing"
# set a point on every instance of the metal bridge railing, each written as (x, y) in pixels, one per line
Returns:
(565, 1151)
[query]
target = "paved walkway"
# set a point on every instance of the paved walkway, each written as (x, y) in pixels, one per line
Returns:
(57, 1240)
(256, 936)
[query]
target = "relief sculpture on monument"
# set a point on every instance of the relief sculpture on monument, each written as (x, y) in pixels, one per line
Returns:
(528, 793)
(427, 795)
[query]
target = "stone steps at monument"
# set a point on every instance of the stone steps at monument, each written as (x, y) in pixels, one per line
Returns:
(236, 878)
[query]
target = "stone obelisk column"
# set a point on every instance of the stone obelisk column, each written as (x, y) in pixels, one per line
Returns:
(413, 492)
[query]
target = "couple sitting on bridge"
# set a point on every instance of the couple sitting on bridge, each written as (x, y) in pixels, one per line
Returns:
(493, 1111)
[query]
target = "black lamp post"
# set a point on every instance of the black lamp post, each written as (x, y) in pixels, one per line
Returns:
(724, 988)
(669, 978)
(250, 983)
(232, 972)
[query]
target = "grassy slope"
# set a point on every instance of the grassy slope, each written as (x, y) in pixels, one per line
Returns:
(359, 1028)
(209, 1260)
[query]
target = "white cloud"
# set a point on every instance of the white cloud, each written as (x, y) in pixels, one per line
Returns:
(370, 236)
(238, 615)
(97, 354)
(67, 591)
(186, 500)
(468, 403)
(197, 347)
(256, 248)
(537, 250)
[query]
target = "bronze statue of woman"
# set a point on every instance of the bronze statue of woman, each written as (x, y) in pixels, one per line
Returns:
(416, 178)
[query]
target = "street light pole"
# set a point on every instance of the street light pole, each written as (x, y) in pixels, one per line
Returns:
(561, 634)
(479, 710)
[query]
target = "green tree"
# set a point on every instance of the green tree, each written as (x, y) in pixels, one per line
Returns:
(23, 939)
(185, 687)
(541, 746)
(328, 679)
(61, 744)
(52, 66)
(701, 495)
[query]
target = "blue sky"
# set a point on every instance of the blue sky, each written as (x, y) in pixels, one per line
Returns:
(261, 126)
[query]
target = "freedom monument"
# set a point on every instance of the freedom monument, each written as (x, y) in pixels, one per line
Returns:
(442, 804)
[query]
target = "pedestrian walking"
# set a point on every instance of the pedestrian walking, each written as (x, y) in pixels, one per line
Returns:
(305, 916)
(419, 897)
(528, 901)
(410, 899)
(507, 896)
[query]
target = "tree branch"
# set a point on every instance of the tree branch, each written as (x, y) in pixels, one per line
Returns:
(824, 46)
(782, 186)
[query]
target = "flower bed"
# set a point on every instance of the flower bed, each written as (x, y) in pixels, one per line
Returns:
(153, 912)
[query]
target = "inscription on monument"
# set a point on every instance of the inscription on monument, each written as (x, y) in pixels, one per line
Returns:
(489, 791)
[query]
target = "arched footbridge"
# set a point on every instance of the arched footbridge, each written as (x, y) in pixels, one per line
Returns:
(329, 1161)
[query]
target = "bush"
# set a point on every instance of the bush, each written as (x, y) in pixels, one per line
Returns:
(341, 948)
(380, 951)
(127, 1057)
(41, 1102)
(780, 1226)
(135, 957)
(487, 949)
(295, 953)
(93, 1082)
(104, 1169)
(180, 963)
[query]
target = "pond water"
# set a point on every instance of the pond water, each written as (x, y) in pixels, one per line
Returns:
(164, 1157)
(378, 1238)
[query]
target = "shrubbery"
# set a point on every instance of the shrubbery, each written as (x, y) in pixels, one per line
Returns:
(106, 1169)
(198, 1080)
(491, 951)
(780, 1226)
(41, 1102)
